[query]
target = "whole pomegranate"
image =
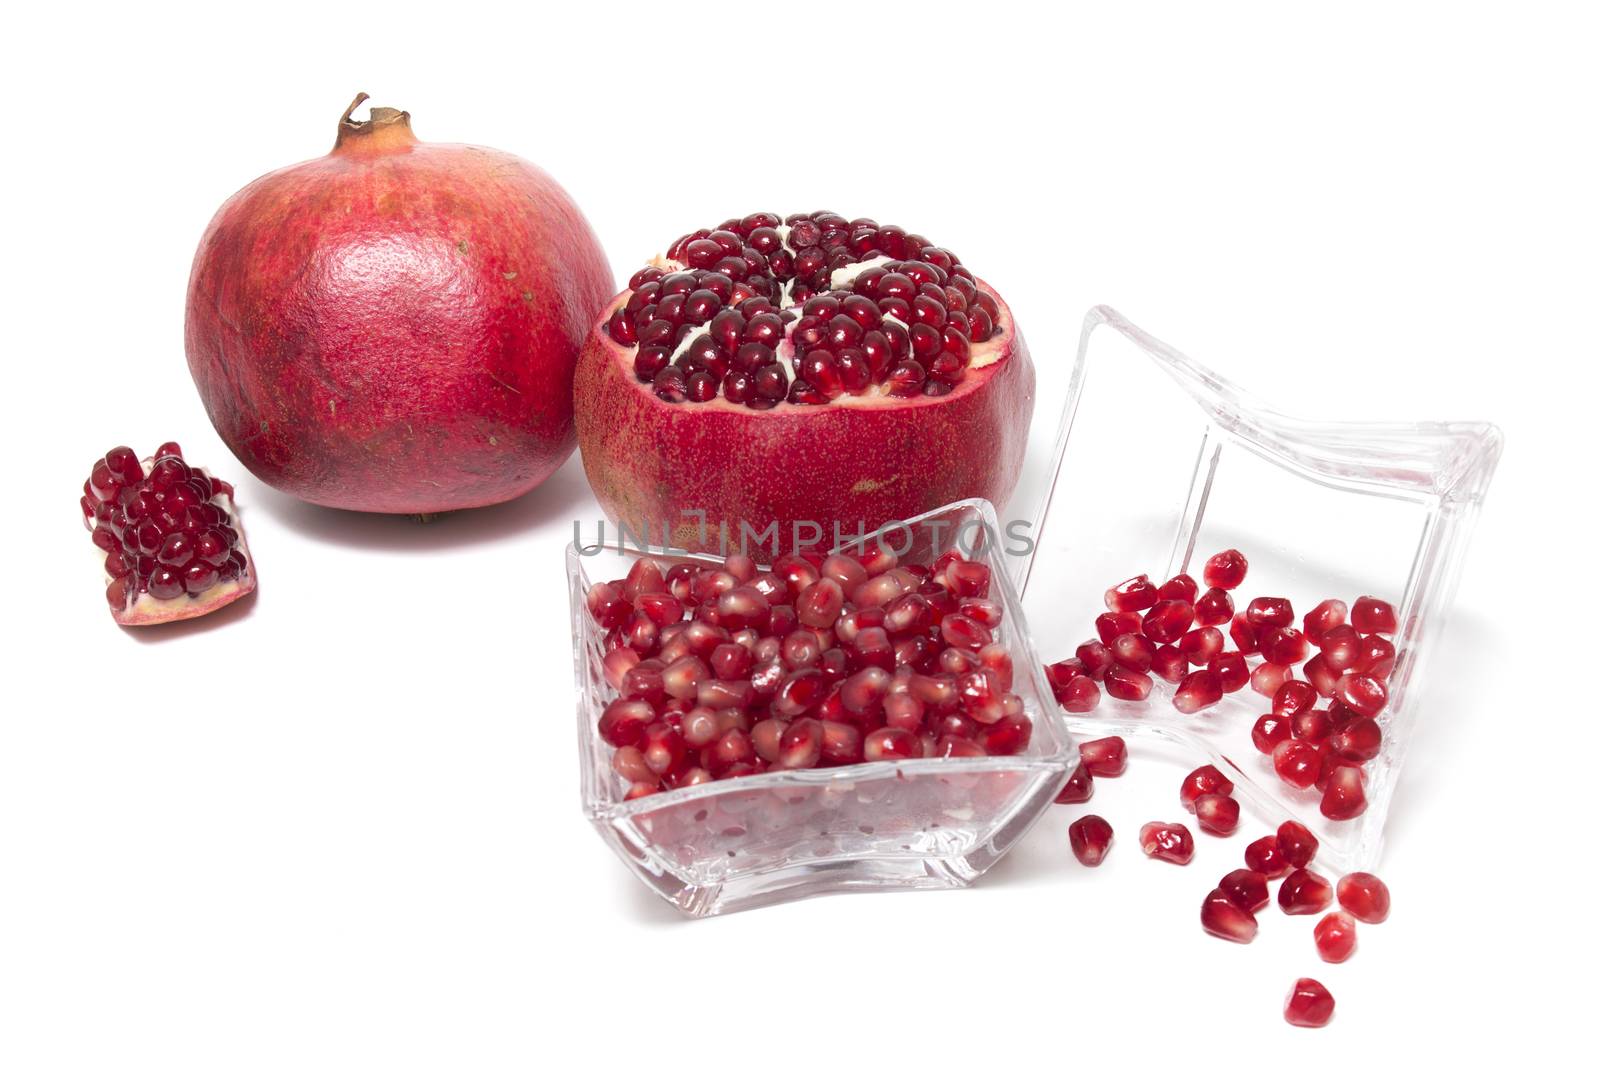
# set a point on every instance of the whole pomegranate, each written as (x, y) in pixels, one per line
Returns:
(808, 369)
(393, 327)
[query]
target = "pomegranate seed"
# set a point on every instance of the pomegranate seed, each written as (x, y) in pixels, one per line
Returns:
(1283, 645)
(1358, 740)
(1297, 762)
(1221, 917)
(623, 722)
(1060, 673)
(1008, 736)
(1243, 633)
(1246, 888)
(1265, 857)
(1125, 684)
(1293, 696)
(968, 578)
(1268, 731)
(959, 631)
(1079, 787)
(1169, 665)
(1336, 937)
(1341, 646)
(1364, 896)
(1112, 624)
(1309, 1004)
(820, 603)
(1296, 844)
(1105, 757)
(1376, 657)
(1345, 795)
(1200, 646)
(1226, 569)
(1216, 814)
(1369, 615)
(1168, 621)
(1091, 839)
(1304, 892)
(1322, 675)
(1079, 696)
(1133, 651)
(1200, 689)
(1179, 587)
(1214, 608)
(1268, 678)
(1231, 671)
(1322, 618)
(1201, 781)
(1311, 725)
(1135, 594)
(1363, 693)
(800, 745)
(890, 743)
(1169, 841)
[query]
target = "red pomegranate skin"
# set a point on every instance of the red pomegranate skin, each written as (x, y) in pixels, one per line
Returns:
(649, 461)
(393, 327)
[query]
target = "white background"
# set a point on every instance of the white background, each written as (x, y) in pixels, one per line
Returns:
(341, 825)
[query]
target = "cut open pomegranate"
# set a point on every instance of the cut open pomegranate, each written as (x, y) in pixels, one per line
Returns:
(169, 537)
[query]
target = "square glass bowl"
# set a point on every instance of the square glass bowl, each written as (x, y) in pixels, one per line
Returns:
(1161, 463)
(783, 835)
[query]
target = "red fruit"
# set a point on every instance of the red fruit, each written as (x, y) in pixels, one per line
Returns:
(1268, 678)
(1221, 917)
(904, 401)
(1267, 612)
(1322, 618)
(1336, 937)
(1105, 757)
(1200, 689)
(1264, 856)
(1169, 665)
(1304, 892)
(1226, 569)
(1246, 888)
(1203, 780)
(1112, 624)
(1375, 656)
(1135, 594)
(1079, 787)
(1311, 725)
(1231, 671)
(1296, 844)
(1168, 621)
(1125, 684)
(1363, 693)
(1345, 795)
(1200, 646)
(622, 723)
(1293, 696)
(1358, 740)
(1369, 615)
(1323, 676)
(393, 327)
(1169, 841)
(1133, 651)
(1268, 731)
(1080, 695)
(1297, 762)
(1008, 736)
(1243, 632)
(170, 543)
(891, 743)
(1095, 658)
(1179, 587)
(1214, 608)
(1309, 1004)
(1216, 814)
(1091, 839)
(1341, 645)
(1283, 645)
(1364, 896)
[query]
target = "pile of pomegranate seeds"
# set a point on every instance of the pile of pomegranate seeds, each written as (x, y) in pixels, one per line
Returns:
(1173, 632)
(172, 548)
(722, 671)
(763, 310)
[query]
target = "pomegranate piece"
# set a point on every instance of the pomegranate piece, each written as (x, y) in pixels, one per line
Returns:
(1168, 841)
(1230, 670)
(1200, 689)
(1090, 837)
(1216, 814)
(1243, 632)
(1375, 656)
(1304, 892)
(1111, 625)
(1179, 587)
(1363, 693)
(1345, 795)
(1199, 782)
(1133, 651)
(1269, 612)
(890, 743)
(1221, 917)
(1095, 658)
(1268, 731)
(1105, 757)
(1214, 608)
(1246, 888)
(170, 542)
(1125, 684)
(1358, 740)
(1226, 569)
(1322, 675)
(1200, 646)
(1296, 844)
(1169, 665)
(1268, 678)
(1341, 646)
(1080, 695)
(1322, 618)
(1079, 786)
(1168, 621)
(1336, 937)
(1369, 615)
(1292, 696)
(1135, 594)
(1264, 856)
(1309, 1004)
(1364, 896)
(1283, 645)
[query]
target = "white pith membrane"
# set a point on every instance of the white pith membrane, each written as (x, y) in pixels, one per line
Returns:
(953, 287)
(145, 609)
